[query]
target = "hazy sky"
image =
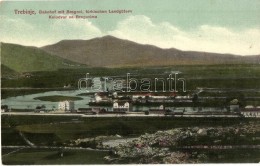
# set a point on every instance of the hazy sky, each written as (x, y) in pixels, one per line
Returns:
(222, 26)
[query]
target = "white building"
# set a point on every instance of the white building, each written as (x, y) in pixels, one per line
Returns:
(121, 106)
(66, 105)
(161, 107)
(98, 98)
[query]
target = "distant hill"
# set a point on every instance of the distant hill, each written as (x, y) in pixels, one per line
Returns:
(17, 58)
(109, 51)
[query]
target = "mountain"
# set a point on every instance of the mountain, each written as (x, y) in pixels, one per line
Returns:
(19, 59)
(109, 51)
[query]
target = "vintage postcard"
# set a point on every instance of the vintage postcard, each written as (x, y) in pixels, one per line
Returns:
(130, 82)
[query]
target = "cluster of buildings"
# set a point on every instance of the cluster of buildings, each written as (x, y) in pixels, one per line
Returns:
(247, 111)
(123, 103)
(250, 111)
(102, 98)
(69, 106)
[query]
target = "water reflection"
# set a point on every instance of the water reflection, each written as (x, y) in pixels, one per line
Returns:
(28, 101)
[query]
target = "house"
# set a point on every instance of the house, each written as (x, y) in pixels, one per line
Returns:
(121, 106)
(234, 105)
(90, 111)
(101, 97)
(67, 86)
(175, 111)
(159, 97)
(250, 111)
(183, 97)
(160, 110)
(141, 95)
(66, 105)
(40, 109)
(4, 108)
(27, 75)
(98, 98)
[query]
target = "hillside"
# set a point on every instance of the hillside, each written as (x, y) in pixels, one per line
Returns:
(7, 72)
(109, 51)
(21, 59)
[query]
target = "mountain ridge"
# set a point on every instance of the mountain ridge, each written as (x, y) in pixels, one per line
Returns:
(109, 51)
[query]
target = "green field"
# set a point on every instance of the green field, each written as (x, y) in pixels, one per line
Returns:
(238, 77)
(53, 157)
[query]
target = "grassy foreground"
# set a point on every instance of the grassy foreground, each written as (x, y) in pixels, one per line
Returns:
(59, 130)
(44, 156)
(50, 129)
